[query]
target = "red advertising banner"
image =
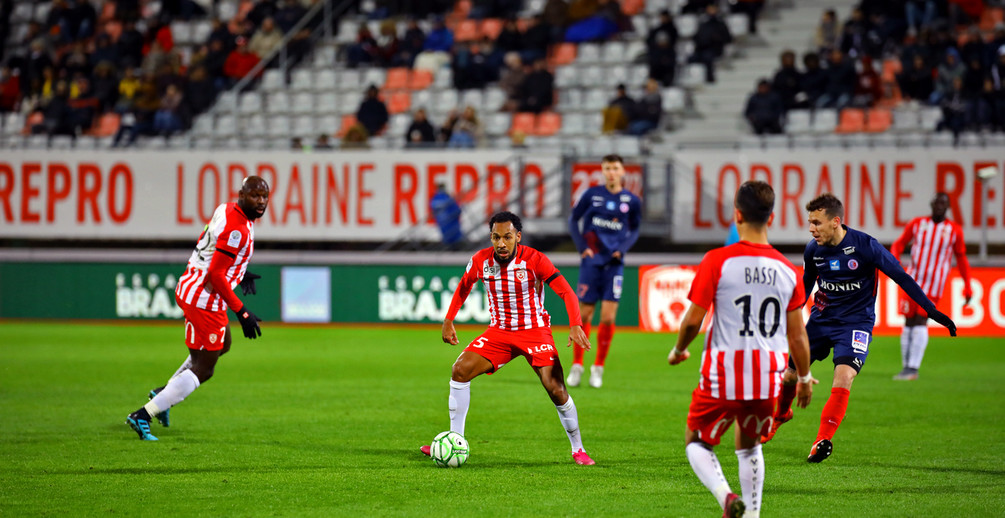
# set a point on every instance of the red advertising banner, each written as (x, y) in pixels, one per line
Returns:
(589, 174)
(663, 301)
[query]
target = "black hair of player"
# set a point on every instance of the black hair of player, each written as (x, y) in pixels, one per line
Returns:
(503, 217)
(831, 205)
(756, 201)
(613, 158)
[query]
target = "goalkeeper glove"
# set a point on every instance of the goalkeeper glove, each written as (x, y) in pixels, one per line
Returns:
(248, 283)
(249, 323)
(944, 320)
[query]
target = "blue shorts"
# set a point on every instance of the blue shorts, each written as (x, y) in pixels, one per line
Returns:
(849, 341)
(599, 281)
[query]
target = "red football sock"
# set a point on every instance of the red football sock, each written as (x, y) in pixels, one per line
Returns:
(604, 334)
(833, 413)
(785, 399)
(577, 351)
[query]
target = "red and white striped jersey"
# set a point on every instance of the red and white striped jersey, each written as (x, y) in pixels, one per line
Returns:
(931, 254)
(229, 230)
(515, 290)
(749, 288)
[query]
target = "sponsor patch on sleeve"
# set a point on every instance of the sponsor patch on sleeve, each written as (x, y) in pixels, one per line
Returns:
(234, 240)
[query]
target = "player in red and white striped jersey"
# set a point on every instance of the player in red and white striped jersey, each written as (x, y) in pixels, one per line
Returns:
(217, 266)
(514, 277)
(936, 240)
(755, 297)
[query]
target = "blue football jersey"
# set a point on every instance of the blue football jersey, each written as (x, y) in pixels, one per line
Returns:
(610, 221)
(846, 276)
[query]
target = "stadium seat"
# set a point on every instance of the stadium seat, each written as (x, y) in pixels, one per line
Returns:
(930, 118)
(474, 98)
(303, 102)
(374, 76)
(588, 53)
(595, 99)
(348, 121)
(447, 100)
(399, 102)
(614, 75)
(562, 54)
(349, 102)
(420, 79)
(824, 121)
(906, 120)
(627, 145)
(302, 79)
(570, 99)
(523, 122)
(327, 102)
(443, 79)
(852, 121)
(497, 123)
(547, 124)
(254, 125)
(272, 80)
(797, 121)
(566, 77)
(399, 125)
(490, 28)
(674, 99)
(203, 126)
(693, 76)
(325, 79)
(302, 126)
(397, 79)
(572, 124)
(467, 30)
(106, 125)
(593, 75)
(495, 97)
(633, 7)
(422, 99)
(278, 102)
(279, 125)
(687, 26)
(613, 52)
(891, 67)
(878, 120)
(349, 79)
(327, 124)
(738, 25)
(251, 102)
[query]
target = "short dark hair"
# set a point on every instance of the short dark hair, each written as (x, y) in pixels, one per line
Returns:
(613, 157)
(756, 201)
(829, 203)
(503, 217)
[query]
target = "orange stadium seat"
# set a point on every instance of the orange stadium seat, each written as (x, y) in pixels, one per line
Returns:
(33, 119)
(107, 11)
(420, 79)
(878, 120)
(106, 126)
(397, 79)
(990, 17)
(852, 121)
(891, 67)
(523, 122)
(348, 121)
(561, 54)
(399, 102)
(466, 30)
(462, 8)
(491, 27)
(548, 124)
(632, 7)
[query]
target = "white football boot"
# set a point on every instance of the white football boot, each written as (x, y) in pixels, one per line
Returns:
(596, 376)
(575, 375)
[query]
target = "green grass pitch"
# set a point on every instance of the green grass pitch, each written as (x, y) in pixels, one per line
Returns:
(327, 421)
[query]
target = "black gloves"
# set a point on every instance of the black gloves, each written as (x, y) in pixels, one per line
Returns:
(248, 283)
(944, 320)
(249, 322)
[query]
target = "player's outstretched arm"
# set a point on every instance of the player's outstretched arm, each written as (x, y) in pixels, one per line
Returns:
(891, 267)
(578, 336)
(689, 329)
(448, 333)
(799, 351)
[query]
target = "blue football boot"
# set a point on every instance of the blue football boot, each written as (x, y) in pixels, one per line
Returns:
(140, 426)
(164, 418)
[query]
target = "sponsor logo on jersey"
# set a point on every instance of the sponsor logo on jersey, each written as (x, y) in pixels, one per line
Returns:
(848, 250)
(840, 286)
(835, 264)
(610, 205)
(626, 197)
(490, 270)
(611, 224)
(624, 207)
(860, 341)
(537, 349)
(616, 287)
(852, 264)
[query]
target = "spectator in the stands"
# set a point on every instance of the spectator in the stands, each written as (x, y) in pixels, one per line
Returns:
(481, 9)
(648, 111)
(71, 24)
(919, 13)
(868, 87)
(220, 31)
(83, 104)
(997, 77)
(788, 82)
(447, 129)
(289, 13)
(299, 46)
(105, 85)
(974, 48)
(860, 37)
(510, 39)
(556, 15)
(752, 8)
(954, 107)
(240, 62)
(104, 50)
(665, 27)
(200, 91)
(154, 60)
(511, 80)
(764, 110)
(356, 138)
(973, 79)
(10, 89)
(387, 43)
(58, 117)
(618, 113)
(536, 39)
(182, 9)
(372, 112)
(662, 57)
(410, 45)
(263, 9)
(436, 49)
(76, 61)
(420, 132)
(169, 74)
(841, 79)
(37, 62)
(710, 41)
(266, 40)
(991, 107)
(364, 50)
(127, 11)
(167, 119)
(129, 87)
(991, 47)
(130, 45)
(538, 90)
(915, 80)
(490, 58)
(323, 143)
(580, 10)
(948, 71)
(828, 35)
(965, 12)
(697, 6)
(467, 131)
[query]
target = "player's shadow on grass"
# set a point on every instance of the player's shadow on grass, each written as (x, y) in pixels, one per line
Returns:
(946, 469)
(182, 470)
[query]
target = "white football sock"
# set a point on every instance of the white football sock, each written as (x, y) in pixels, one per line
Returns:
(176, 390)
(570, 420)
(458, 403)
(706, 465)
(919, 342)
(185, 365)
(905, 344)
(751, 478)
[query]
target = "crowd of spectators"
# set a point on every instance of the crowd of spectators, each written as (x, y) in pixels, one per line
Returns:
(920, 52)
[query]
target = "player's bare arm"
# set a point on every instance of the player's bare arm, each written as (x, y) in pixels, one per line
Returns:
(799, 351)
(448, 333)
(689, 329)
(578, 336)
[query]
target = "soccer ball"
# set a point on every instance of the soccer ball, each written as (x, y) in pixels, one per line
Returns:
(449, 450)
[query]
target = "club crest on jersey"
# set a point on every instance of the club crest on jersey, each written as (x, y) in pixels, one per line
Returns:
(848, 250)
(521, 275)
(624, 207)
(234, 240)
(490, 270)
(212, 338)
(852, 264)
(835, 264)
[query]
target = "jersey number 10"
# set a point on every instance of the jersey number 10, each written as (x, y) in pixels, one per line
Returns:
(744, 303)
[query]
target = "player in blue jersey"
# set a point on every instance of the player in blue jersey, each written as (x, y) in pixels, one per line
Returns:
(842, 262)
(610, 216)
